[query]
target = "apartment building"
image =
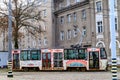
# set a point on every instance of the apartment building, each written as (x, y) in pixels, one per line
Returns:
(72, 22)
(85, 22)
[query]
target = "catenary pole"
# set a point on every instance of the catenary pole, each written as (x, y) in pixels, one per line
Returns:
(9, 40)
(113, 39)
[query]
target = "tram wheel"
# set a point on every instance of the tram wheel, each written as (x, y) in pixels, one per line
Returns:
(26, 69)
(77, 69)
(68, 69)
(106, 68)
(83, 69)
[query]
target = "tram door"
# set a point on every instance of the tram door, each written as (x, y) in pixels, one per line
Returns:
(46, 60)
(94, 60)
(16, 60)
(58, 62)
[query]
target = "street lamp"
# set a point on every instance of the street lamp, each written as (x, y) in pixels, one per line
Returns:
(9, 40)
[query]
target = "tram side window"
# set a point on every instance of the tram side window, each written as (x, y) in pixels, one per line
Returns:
(103, 54)
(15, 57)
(60, 55)
(49, 56)
(65, 54)
(70, 54)
(75, 54)
(44, 56)
(35, 55)
(82, 54)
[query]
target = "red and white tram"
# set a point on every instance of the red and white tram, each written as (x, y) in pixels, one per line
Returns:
(60, 59)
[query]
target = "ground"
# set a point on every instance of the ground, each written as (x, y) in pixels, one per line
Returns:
(64, 75)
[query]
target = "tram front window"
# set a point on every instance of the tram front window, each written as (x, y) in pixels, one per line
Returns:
(103, 54)
(25, 55)
(30, 55)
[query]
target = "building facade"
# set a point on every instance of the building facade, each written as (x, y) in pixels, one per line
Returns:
(86, 22)
(45, 39)
(72, 22)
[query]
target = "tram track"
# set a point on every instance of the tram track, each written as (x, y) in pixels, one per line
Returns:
(60, 71)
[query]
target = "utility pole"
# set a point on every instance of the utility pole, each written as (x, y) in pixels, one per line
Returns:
(9, 40)
(113, 39)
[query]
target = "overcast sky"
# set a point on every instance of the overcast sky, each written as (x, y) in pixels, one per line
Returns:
(1, 4)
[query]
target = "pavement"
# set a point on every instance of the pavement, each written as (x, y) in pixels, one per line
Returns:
(56, 75)
(59, 76)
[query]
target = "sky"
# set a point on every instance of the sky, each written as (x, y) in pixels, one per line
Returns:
(1, 3)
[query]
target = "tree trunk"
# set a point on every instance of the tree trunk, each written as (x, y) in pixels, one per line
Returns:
(16, 39)
(4, 39)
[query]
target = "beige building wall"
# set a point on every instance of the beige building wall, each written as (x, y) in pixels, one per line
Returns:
(45, 39)
(79, 23)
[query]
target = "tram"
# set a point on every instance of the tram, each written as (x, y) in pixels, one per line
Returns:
(60, 59)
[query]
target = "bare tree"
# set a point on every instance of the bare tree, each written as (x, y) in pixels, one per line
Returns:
(25, 14)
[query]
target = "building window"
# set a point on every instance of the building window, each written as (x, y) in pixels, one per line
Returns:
(100, 45)
(115, 3)
(39, 42)
(75, 32)
(99, 6)
(75, 17)
(69, 17)
(69, 35)
(77, 0)
(99, 26)
(42, 26)
(44, 13)
(62, 19)
(45, 41)
(34, 44)
(39, 1)
(84, 31)
(62, 35)
(60, 5)
(116, 26)
(84, 14)
(68, 2)
(44, 1)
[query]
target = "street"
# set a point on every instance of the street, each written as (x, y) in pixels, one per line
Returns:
(59, 75)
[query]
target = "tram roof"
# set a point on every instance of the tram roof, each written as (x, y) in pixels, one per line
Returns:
(31, 49)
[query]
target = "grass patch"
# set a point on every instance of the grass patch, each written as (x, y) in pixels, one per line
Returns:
(118, 68)
(3, 69)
